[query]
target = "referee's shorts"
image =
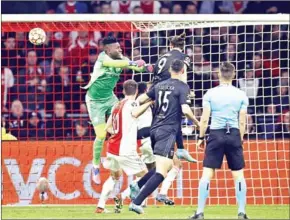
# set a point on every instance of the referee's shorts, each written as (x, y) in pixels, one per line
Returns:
(219, 144)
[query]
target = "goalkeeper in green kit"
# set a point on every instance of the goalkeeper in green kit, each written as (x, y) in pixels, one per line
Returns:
(100, 97)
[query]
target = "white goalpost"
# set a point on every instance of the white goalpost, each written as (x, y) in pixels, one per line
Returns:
(258, 46)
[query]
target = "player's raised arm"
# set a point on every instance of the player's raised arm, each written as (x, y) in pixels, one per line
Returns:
(114, 57)
(243, 116)
(136, 112)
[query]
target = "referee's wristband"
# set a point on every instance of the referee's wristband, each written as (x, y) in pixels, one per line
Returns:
(200, 138)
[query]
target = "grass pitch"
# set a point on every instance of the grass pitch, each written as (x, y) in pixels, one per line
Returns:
(151, 212)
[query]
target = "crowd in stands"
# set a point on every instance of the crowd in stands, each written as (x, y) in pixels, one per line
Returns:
(145, 7)
(41, 94)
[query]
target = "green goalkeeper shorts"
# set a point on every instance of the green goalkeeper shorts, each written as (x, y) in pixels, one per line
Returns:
(99, 110)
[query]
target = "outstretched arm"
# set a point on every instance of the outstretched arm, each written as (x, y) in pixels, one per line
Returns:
(138, 65)
(116, 63)
(140, 110)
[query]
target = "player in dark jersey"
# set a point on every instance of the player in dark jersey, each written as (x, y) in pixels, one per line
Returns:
(170, 104)
(161, 72)
(161, 69)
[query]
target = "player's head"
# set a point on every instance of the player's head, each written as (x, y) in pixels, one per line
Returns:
(177, 68)
(142, 88)
(130, 88)
(177, 41)
(227, 72)
(112, 47)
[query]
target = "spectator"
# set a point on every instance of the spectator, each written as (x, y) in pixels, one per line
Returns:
(284, 80)
(254, 39)
(59, 88)
(17, 120)
(149, 6)
(59, 126)
(281, 97)
(87, 68)
(277, 42)
(52, 66)
(283, 128)
(24, 7)
(267, 123)
(137, 10)
(258, 65)
(148, 48)
(136, 54)
(83, 108)
(7, 79)
(20, 41)
(251, 132)
(31, 83)
(165, 10)
(82, 77)
(106, 8)
(250, 85)
(190, 8)
(81, 130)
(35, 126)
(214, 44)
(121, 6)
(230, 53)
(271, 63)
(78, 50)
(273, 7)
(72, 7)
(233, 7)
(200, 65)
(11, 56)
(214, 77)
(209, 7)
(198, 36)
(177, 9)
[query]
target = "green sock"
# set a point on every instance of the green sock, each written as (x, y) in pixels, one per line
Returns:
(98, 146)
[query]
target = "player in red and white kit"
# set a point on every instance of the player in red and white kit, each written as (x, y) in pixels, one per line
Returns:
(122, 146)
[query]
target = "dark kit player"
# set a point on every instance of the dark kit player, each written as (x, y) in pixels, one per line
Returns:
(170, 104)
(161, 72)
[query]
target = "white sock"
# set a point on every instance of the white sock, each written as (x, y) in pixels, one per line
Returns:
(168, 180)
(125, 194)
(108, 187)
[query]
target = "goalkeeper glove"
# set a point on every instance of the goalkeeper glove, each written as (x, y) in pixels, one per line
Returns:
(138, 63)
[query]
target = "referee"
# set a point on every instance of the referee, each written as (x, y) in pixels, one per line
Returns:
(227, 106)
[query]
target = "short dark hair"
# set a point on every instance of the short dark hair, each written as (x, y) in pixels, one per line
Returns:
(142, 88)
(109, 40)
(130, 87)
(178, 41)
(177, 66)
(227, 70)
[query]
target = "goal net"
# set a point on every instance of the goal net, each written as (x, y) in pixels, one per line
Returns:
(44, 108)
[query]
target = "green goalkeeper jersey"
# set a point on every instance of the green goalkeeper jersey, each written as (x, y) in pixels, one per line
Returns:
(103, 79)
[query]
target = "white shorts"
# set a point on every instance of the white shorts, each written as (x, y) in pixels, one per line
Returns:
(146, 150)
(131, 165)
